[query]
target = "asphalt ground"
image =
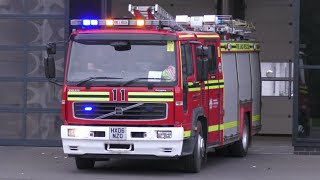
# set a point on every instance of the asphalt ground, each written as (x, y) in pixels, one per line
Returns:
(268, 159)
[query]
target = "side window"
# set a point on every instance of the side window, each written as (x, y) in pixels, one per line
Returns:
(212, 59)
(184, 62)
(187, 70)
(187, 62)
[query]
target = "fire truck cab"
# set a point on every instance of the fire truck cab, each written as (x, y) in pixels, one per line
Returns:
(159, 87)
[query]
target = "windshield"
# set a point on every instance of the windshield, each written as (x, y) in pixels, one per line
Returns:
(123, 61)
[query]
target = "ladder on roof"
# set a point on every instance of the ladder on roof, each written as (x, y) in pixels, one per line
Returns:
(155, 12)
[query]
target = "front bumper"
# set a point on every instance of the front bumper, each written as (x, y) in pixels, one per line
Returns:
(86, 143)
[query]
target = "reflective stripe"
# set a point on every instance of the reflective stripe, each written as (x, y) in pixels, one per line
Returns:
(194, 89)
(187, 134)
(303, 86)
(213, 87)
(239, 46)
(87, 99)
(191, 88)
(87, 93)
(228, 125)
(303, 91)
(214, 84)
(208, 36)
(151, 93)
(186, 36)
(256, 118)
(213, 128)
(219, 52)
(150, 96)
(210, 84)
(151, 99)
(88, 96)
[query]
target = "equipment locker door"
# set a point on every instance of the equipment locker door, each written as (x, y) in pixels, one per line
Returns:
(213, 93)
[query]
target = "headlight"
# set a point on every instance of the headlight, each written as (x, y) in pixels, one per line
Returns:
(72, 132)
(164, 134)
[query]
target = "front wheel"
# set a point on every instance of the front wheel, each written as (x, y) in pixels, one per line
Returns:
(83, 163)
(193, 162)
(240, 148)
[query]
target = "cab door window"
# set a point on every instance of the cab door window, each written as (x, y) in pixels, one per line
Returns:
(187, 70)
(212, 59)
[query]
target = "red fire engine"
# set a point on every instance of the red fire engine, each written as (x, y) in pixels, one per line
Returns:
(159, 87)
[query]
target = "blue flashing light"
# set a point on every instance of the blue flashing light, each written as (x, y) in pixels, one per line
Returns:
(94, 22)
(88, 108)
(86, 22)
(219, 21)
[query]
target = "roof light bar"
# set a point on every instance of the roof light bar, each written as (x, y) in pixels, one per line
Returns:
(140, 22)
(120, 22)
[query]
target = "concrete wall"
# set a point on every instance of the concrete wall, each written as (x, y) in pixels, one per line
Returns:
(274, 30)
(174, 7)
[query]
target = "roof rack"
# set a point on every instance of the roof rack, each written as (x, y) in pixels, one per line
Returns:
(222, 24)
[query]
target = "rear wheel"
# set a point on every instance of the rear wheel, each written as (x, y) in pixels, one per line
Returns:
(193, 163)
(83, 163)
(240, 148)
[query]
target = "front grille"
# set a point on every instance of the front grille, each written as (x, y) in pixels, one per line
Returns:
(122, 111)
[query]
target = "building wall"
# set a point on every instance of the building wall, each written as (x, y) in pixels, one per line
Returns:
(275, 31)
(29, 105)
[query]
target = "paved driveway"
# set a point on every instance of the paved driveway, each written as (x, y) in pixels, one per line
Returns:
(269, 158)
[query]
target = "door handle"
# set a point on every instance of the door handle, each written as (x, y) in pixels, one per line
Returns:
(196, 96)
(197, 84)
(290, 79)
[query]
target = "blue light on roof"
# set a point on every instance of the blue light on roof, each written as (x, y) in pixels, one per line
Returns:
(94, 22)
(219, 21)
(88, 108)
(86, 22)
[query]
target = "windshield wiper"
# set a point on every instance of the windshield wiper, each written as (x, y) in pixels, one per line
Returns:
(138, 79)
(84, 81)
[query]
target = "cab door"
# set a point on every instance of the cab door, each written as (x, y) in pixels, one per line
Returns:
(213, 93)
(191, 89)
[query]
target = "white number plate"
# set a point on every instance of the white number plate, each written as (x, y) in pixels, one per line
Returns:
(118, 133)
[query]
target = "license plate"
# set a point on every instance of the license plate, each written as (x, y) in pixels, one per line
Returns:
(118, 133)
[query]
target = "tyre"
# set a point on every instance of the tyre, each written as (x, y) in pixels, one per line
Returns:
(223, 151)
(240, 148)
(193, 162)
(83, 163)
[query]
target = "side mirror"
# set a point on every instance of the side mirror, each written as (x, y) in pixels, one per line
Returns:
(202, 51)
(51, 48)
(50, 68)
(202, 69)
